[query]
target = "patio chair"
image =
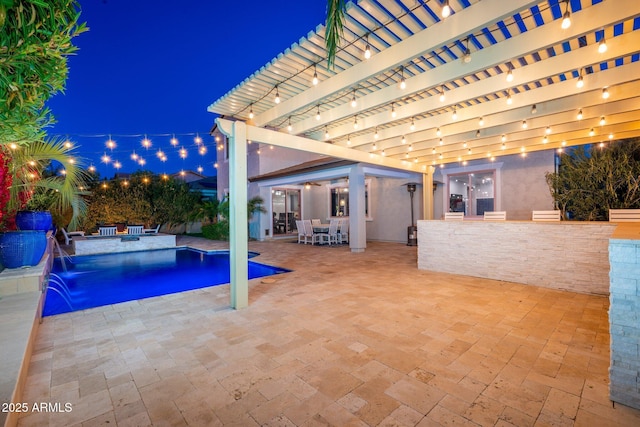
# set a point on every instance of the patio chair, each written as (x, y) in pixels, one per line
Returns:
(107, 231)
(454, 216)
(135, 229)
(68, 235)
(343, 231)
(302, 237)
(151, 230)
(332, 235)
(308, 231)
(545, 216)
(495, 216)
(624, 215)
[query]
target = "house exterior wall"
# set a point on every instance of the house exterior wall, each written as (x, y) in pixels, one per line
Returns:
(391, 209)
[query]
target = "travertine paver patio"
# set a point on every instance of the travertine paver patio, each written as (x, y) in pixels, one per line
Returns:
(345, 339)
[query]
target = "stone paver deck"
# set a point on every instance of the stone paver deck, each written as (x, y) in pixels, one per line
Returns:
(345, 340)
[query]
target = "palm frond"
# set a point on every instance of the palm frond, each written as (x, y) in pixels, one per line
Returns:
(334, 29)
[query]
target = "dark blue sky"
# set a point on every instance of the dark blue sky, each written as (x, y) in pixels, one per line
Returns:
(153, 67)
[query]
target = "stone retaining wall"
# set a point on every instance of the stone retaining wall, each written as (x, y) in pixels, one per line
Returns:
(561, 255)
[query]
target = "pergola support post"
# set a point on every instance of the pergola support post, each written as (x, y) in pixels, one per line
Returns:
(357, 210)
(238, 237)
(427, 193)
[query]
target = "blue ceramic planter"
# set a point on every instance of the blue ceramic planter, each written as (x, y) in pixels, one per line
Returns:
(34, 220)
(22, 248)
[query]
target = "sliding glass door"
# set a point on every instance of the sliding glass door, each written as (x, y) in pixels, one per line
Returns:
(285, 205)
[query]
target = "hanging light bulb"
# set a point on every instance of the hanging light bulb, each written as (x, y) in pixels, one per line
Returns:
(367, 49)
(440, 141)
(441, 93)
(446, 9)
(481, 121)
(111, 144)
(602, 46)
(566, 17)
(376, 135)
(355, 122)
(315, 80)
(579, 116)
(534, 109)
(602, 121)
(374, 146)
(469, 151)
(174, 141)
(545, 139)
(183, 153)
(464, 144)
(383, 153)
(438, 132)
(611, 136)
(433, 150)
(134, 156)
(592, 132)
(548, 130)
(146, 142)
(326, 133)
(510, 75)
(289, 127)
(454, 116)
(105, 159)
(197, 139)
(393, 110)
(318, 113)
(503, 138)
(413, 125)
(605, 93)
(403, 82)
(524, 124)
(580, 81)
(504, 146)
(404, 140)
(509, 99)
(349, 140)
(478, 133)
(466, 58)
(277, 98)
(251, 111)
(353, 100)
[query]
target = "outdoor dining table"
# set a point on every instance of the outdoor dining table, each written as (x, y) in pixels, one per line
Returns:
(321, 228)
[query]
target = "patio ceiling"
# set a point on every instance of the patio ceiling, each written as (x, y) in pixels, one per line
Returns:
(410, 40)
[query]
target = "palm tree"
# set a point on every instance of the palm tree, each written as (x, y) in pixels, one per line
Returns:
(334, 28)
(63, 191)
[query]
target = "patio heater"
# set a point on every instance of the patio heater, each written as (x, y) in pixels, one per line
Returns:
(412, 230)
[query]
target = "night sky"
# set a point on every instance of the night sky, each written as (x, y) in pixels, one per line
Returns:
(152, 68)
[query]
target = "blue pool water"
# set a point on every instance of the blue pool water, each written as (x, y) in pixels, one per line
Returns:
(96, 280)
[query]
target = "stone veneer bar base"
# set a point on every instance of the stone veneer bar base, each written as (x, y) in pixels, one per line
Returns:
(624, 318)
(90, 245)
(564, 255)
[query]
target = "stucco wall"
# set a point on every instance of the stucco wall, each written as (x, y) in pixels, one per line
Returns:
(391, 209)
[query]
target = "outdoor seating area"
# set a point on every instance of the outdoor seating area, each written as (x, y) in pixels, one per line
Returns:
(313, 231)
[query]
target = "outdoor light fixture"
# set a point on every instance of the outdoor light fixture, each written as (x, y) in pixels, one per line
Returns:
(413, 125)
(524, 124)
(548, 130)
(383, 153)
(504, 138)
(454, 116)
(466, 58)
(545, 139)
(602, 121)
(315, 76)
(510, 75)
(481, 121)
(403, 82)
(289, 127)
(464, 144)
(504, 146)
(326, 133)
(374, 146)
(441, 93)
(375, 135)
(602, 46)
(355, 122)
(353, 100)
(438, 132)
(566, 17)
(277, 99)
(534, 109)
(146, 142)
(605, 93)
(349, 140)
(318, 113)
(367, 49)
(433, 150)
(478, 133)
(579, 116)
(580, 81)
(441, 142)
(446, 9)
(509, 99)
(393, 110)
(592, 132)
(111, 144)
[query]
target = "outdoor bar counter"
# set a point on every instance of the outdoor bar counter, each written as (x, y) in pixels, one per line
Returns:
(566, 255)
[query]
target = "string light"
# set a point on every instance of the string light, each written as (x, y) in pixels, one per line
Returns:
(509, 99)
(446, 9)
(353, 100)
(349, 140)
(142, 161)
(105, 159)
(403, 82)
(466, 58)
(548, 130)
(602, 46)
(534, 109)
(197, 140)
(545, 139)
(367, 49)
(111, 144)
(200, 169)
(355, 122)
(592, 132)
(481, 121)
(510, 75)
(404, 140)
(251, 111)
(289, 127)
(504, 146)
(413, 125)
(441, 142)
(202, 150)
(92, 168)
(454, 116)
(580, 81)
(438, 132)
(375, 135)
(524, 124)
(605, 93)
(315, 80)
(326, 133)
(566, 17)
(318, 113)
(383, 153)
(173, 141)
(611, 136)
(579, 116)
(393, 110)
(134, 156)
(146, 142)
(442, 93)
(504, 138)
(277, 98)
(183, 153)
(433, 150)
(374, 146)
(602, 121)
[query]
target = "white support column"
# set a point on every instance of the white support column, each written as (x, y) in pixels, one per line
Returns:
(427, 193)
(238, 238)
(357, 210)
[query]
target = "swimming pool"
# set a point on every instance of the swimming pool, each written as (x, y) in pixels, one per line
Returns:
(96, 280)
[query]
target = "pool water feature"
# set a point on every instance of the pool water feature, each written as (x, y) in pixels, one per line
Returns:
(96, 280)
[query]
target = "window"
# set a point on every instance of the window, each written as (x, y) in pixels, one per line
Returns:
(472, 193)
(339, 200)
